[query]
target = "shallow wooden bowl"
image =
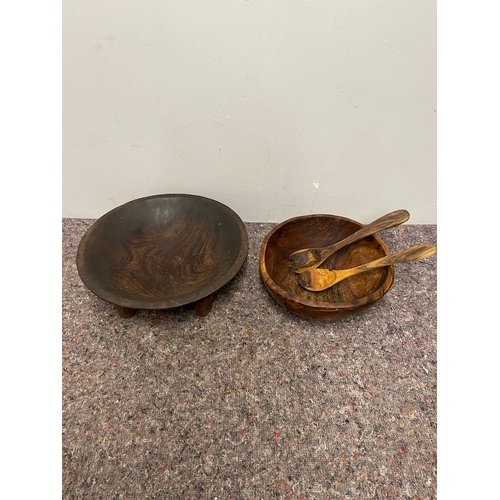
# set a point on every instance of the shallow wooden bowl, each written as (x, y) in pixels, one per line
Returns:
(344, 299)
(162, 252)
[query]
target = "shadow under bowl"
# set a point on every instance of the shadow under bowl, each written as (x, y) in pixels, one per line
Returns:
(161, 252)
(348, 297)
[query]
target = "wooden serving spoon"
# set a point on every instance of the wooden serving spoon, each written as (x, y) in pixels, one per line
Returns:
(308, 259)
(321, 279)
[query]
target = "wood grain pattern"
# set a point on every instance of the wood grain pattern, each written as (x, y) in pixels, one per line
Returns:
(162, 251)
(308, 259)
(318, 280)
(350, 296)
(144, 269)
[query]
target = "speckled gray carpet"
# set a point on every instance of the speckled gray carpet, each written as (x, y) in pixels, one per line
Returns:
(251, 402)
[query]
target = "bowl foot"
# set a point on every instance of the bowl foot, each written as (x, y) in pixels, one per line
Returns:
(125, 312)
(204, 306)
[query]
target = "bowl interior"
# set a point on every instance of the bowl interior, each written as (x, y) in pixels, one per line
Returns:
(318, 231)
(162, 251)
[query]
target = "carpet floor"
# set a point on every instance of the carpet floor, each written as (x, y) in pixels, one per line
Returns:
(250, 401)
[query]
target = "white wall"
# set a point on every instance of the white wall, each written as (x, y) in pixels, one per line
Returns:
(276, 108)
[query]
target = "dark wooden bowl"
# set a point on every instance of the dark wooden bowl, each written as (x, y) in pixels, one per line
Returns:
(344, 299)
(162, 252)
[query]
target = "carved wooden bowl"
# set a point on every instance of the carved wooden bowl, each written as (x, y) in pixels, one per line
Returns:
(340, 301)
(162, 252)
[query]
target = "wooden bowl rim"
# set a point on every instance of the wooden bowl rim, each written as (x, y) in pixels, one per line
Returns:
(182, 300)
(323, 306)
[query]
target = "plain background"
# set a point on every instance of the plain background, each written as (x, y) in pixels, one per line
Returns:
(275, 108)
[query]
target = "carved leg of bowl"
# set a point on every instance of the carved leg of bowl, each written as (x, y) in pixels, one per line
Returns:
(126, 312)
(204, 306)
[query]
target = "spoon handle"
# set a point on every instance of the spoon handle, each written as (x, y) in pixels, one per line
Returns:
(417, 252)
(385, 222)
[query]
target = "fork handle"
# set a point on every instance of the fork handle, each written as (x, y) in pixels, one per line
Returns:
(385, 222)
